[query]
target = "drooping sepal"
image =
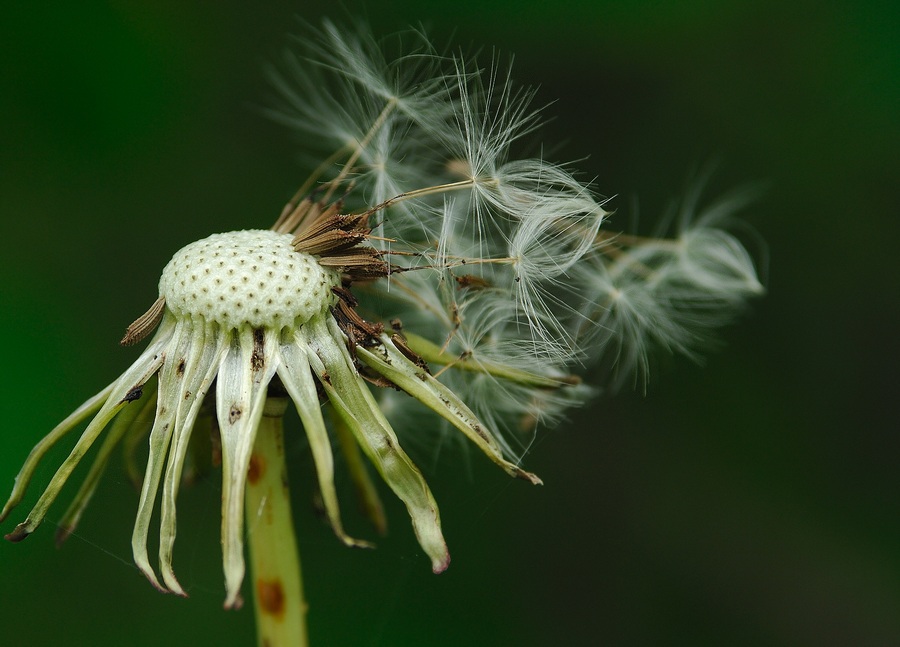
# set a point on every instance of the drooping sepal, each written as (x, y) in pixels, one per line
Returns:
(390, 362)
(353, 401)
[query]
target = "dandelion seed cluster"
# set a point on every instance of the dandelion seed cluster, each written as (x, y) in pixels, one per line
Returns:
(423, 267)
(487, 258)
(252, 277)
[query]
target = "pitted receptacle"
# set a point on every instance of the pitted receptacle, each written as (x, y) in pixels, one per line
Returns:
(252, 277)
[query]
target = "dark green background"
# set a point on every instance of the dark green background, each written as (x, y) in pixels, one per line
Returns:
(753, 501)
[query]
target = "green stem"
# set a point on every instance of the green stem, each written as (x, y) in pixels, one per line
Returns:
(433, 353)
(274, 560)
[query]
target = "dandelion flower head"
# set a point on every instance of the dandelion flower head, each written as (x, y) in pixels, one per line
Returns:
(424, 272)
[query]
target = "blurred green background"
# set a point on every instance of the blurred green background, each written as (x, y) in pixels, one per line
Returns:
(751, 501)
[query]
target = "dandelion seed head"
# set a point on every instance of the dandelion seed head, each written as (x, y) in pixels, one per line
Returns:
(428, 273)
(247, 277)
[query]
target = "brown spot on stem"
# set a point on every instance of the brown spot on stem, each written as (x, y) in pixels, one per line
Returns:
(235, 414)
(134, 393)
(181, 367)
(256, 469)
(270, 594)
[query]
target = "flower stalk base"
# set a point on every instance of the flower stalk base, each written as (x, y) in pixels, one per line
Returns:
(274, 561)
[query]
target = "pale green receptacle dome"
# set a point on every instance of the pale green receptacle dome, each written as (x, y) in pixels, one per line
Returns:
(252, 277)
